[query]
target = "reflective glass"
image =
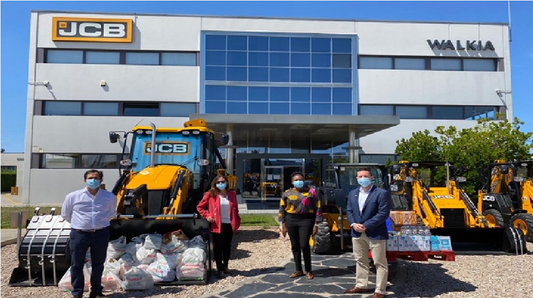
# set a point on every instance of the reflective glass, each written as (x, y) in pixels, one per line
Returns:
(321, 108)
(279, 44)
(300, 74)
(300, 44)
(215, 42)
(237, 107)
(179, 59)
(97, 57)
(279, 74)
(342, 94)
(181, 109)
(258, 108)
(60, 56)
(279, 108)
(142, 58)
(258, 59)
(238, 93)
(141, 109)
(410, 63)
(412, 112)
(342, 109)
(342, 45)
(215, 92)
(62, 108)
(237, 58)
(479, 64)
(375, 63)
(258, 74)
(342, 60)
(321, 60)
(100, 108)
(342, 75)
(472, 113)
(445, 64)
(321, 75)
(237, 74)
(218, 107)
(60, 161)
(217, 73)
(447, 113)
(279, 59)
(215, 58)
(258, 93)
(237, 42)
(300, 109)
(279, 94)
(300, 60)
(300, 94)
(321, 45)
(321, 94)
(95, 161)
(258, 43)
(376, 110)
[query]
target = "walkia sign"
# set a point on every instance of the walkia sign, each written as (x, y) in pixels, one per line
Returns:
(470, 45)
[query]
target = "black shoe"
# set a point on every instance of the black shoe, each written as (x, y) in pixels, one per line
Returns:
(77, 296)
(96, 295)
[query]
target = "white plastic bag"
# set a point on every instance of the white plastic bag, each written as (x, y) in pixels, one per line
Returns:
(173, 245)
(137, 279)
(110, 281)
(161, 271)
(193, 256)
(116, 248)
(146, 256)
(153, 241)
(197, 241)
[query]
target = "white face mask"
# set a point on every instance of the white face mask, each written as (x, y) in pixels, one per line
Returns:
(221, 186)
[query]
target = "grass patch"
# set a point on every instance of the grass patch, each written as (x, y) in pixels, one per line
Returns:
(7, 211)
(262, 220)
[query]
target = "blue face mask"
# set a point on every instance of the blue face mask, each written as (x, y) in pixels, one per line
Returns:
(298, 183)
(93, 183)
(364, 182)
(221, 186)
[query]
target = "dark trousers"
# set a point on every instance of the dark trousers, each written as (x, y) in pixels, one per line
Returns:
(222, 246)
(80, 242)
(300, 228)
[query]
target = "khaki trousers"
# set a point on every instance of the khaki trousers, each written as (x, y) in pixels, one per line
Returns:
(361, 246)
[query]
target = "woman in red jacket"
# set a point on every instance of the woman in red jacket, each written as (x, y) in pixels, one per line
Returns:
(219, 206)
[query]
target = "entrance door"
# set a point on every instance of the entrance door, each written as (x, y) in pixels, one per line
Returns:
(271, 182)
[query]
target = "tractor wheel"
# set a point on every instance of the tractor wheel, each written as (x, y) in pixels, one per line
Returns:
(495, 217)
(322, 239)
(524, 222)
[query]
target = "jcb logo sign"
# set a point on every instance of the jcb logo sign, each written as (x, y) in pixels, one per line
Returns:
(97, 30)
(167, 148)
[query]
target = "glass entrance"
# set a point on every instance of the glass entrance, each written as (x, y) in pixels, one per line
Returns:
(272, 184)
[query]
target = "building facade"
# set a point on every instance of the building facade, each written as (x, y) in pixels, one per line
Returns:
(288, 88)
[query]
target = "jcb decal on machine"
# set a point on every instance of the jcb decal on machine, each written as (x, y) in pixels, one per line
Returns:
(489, 198)
(87, 29)
(167, 148)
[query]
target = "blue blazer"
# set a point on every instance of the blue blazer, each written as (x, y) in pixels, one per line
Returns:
(375, 212)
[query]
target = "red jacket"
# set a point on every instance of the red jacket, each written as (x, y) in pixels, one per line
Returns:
(210, 207)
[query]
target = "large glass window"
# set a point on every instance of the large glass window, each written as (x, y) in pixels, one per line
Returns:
(64, 56)
(436, 112)
(180, 109)
(98, 57)
(445, 64)
(141, 109)
(412, 112)
(100, 108)
(181, 59)
(410, 63)
(62, 108)
(479, 64)
(426, 63)
(142, 58)
(447, 112)
(376, 110)
(375, 63)
(79, 161)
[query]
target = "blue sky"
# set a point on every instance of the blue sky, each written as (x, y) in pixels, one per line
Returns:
(15, 31)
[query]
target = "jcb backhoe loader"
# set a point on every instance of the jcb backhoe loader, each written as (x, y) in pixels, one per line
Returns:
(164, 176)
(507, 194)
(435, 193)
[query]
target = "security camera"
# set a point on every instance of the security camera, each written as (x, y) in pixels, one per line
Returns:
(46, 84)
(498, 91)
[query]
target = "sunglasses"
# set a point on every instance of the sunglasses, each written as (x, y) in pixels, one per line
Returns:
(221, 182)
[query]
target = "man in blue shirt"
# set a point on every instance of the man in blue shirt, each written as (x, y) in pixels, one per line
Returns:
(89, 212)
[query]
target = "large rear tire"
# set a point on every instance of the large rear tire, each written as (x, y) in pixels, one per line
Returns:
(495, 217)
(322, 239)
(524, 222)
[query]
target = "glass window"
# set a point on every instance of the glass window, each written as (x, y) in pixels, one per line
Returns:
(215, 73)
(62, 108)
(321, 108)
(410, 63)
(342, 75)
(277, 108)
(279, 94)
(258, 74)
(60, 161)
(300, 75)
(97, 57)
(447, 112)
(100, 108)
(237, 58)
(258, 93)
(141, 109)
(237, 107)
(215, 58)
(258, 108)
(320, 75)
(279, 74)
(342, 45)
(412, 112)
(375, 63)
(342, 60)
(321, 94)
(181, 109)
(321, 60)
(215, 92)
(342, 109)
(472, 113)
(445, 64)
(237, 74)
(300, 44)
(258, 43)
(342, 94)
(62, 56)
(238, 93)
(376, 110)
(300, 109)
(215, 42)
(279, 59)
(179, 59)
(300, 60)
(142, 58)
(279, 44)
(258, 59)
(238, 42)
(321, 45)
(479, 64)
(94, 161)
(217, 107)
(300, 94)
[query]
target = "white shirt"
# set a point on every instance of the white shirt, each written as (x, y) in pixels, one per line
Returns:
(362, 198)
(87, 212)
(224, 209)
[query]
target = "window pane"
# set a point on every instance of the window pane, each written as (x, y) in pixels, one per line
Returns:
(258, 43)
(321, 60)
(300, 109)
(62, 108)
(279, 108)
(342, 76)
(258, 59)
(99, 161)
(215, 58)
(410, 63)
(237, 58)
(445, 64)
(102, 57)
(342, 109)
(182, 109)
(237, 93)
(321, 94)
(376, 110)
(342, 94)
(279, 94)
(279, 59)
(342, 45)
(321, 75)
(300, 75)
(472, 113)
(142, 58)
(140, 109)
(412, 112)
(215, 73)
(258, 74)
(218, 107)
(342, 61)
(321, 109)
(60, 56)
(301, 94)
(258, 108)
(447, 112)
(279, 44)
(300, 60)
(215, 42)
(181, 59)
(258, 94)
(215, 92)
(279, 74)
(60, 161)
(237, 42)
(375, 63)
(321, 45)
(479, 64)
(237, 74)
(237, 107)
(100, 108)
(300, 44)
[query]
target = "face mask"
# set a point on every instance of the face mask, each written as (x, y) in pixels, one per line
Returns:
(364, 182)
(298, 183)
(93, 183)
(221, 186)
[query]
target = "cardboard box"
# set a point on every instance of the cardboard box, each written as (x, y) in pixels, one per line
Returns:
(435, 243)
(406, 243)
(445, 243)
(392, 243)
(423, 243)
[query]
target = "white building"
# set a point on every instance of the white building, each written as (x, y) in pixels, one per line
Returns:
(285, 89)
